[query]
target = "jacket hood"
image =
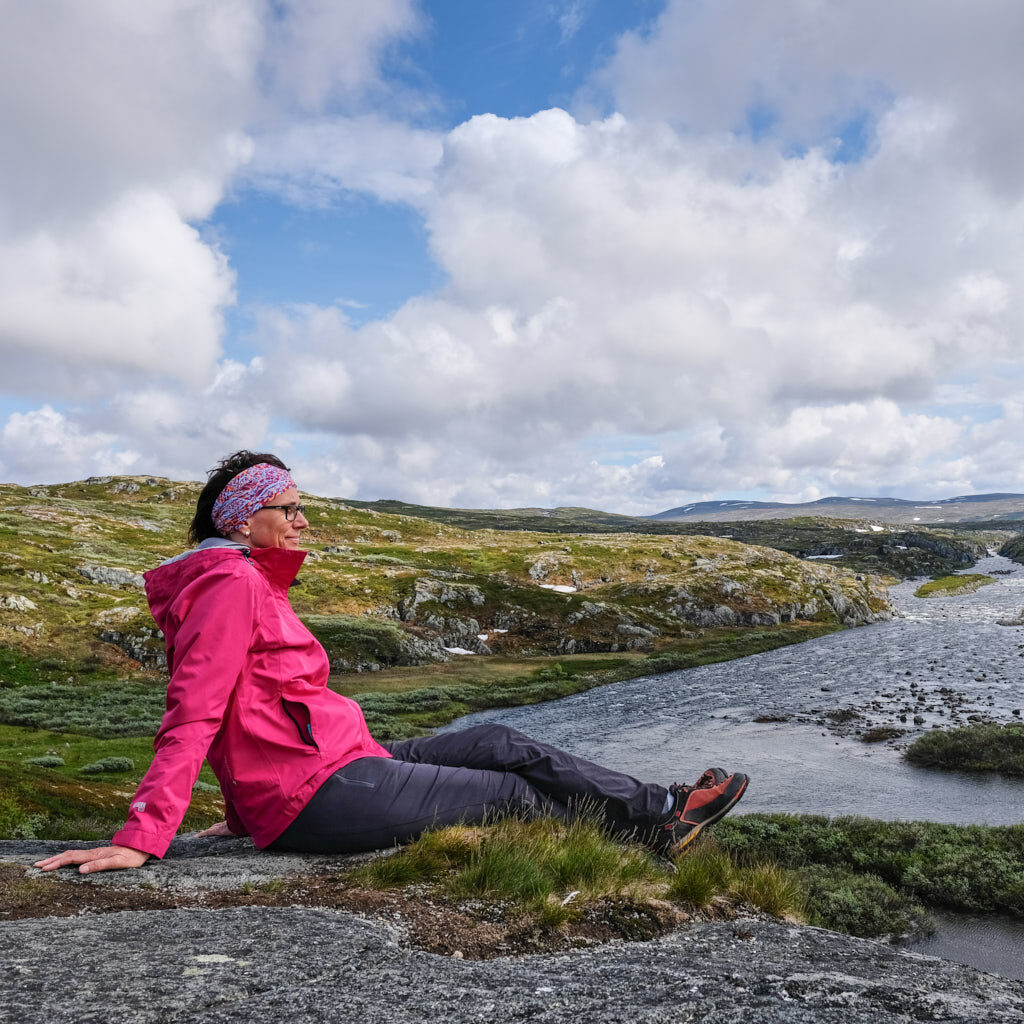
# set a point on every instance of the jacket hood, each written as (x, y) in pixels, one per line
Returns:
(278, 566)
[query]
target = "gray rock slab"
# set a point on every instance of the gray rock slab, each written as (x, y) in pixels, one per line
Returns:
(256, 964)
(265, 964)
(190, 863)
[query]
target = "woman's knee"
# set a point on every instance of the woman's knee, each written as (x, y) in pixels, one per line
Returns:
(494, 734)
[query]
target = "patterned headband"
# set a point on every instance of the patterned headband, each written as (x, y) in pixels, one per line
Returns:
(247, 493)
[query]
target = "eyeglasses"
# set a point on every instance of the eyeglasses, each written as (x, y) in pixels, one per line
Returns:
(290, 511)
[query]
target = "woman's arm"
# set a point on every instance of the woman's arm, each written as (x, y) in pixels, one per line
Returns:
(218, 616)
(218, 619)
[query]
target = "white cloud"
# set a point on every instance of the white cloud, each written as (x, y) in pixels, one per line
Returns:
(322, 52)
(133, 287)
(125, 123)
(763, 317)
(43, 446)
(310, 162)
(812, 66)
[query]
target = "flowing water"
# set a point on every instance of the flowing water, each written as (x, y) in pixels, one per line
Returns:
(942, 661)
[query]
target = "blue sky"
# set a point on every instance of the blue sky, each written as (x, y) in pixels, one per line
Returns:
(581, 252)
(509, 59)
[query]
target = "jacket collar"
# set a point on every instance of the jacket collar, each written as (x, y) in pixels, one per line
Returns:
(279, 565)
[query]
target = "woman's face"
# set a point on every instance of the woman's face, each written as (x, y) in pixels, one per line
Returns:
(268, 527)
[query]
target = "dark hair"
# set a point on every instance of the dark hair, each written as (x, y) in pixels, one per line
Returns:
(202, 526)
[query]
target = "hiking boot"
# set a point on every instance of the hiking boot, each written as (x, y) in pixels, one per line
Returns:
(696, 807)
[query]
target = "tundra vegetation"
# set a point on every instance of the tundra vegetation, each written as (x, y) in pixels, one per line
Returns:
(949, 586)
(545, 612)
(982, 747)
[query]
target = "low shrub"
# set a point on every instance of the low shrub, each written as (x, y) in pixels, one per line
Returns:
(973, 748)
(45, 761)
(108, 764)
(861, 904)
(974, 868)
(106, 709)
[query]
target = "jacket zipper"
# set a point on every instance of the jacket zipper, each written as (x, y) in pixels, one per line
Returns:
(305, 733)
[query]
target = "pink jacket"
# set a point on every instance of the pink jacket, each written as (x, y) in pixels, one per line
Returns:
(248, 691)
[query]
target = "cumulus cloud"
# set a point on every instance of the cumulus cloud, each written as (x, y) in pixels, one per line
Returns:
(44, 446)
(807, 69)
(616, 277)
(124, 125)
(696, 271)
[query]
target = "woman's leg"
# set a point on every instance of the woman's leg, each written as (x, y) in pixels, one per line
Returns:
(626, 804)
(375, 802)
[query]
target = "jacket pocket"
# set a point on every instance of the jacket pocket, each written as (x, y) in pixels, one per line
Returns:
(299, 714)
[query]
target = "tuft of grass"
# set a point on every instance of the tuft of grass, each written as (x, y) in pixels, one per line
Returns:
(551, 871)
(947, 586)
(432, 855)
(711, 874)
(973, 748)
(773, 889)
(532, 864)
(702, 876)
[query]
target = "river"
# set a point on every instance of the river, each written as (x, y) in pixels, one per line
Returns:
(941, 661)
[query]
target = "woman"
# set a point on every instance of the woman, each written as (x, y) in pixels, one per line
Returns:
(297, 765)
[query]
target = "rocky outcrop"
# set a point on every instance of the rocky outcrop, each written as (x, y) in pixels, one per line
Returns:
(259, 963)
(365, 644)
(434, 604)
(1014, 549)
(144, 645)
(108, 577)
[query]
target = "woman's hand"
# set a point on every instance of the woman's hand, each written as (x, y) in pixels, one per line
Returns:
(103, 858)
(220, 829)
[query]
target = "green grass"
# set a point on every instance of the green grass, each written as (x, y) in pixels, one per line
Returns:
(553, 870)
(711, 874)
(974, 748)
(45, 803)
(527, 863)
(947, 586)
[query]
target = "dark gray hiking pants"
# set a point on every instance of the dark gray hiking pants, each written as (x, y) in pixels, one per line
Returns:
(468, 776)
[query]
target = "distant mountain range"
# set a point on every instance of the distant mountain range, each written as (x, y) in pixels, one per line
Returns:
(904, 511)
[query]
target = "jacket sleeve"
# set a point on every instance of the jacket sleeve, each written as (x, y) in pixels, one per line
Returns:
(231, 817)
(218, 615)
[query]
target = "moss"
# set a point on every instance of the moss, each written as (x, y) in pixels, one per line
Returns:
(51, 805)
(947, 586)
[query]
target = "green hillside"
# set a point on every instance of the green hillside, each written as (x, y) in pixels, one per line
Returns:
(543, 613)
